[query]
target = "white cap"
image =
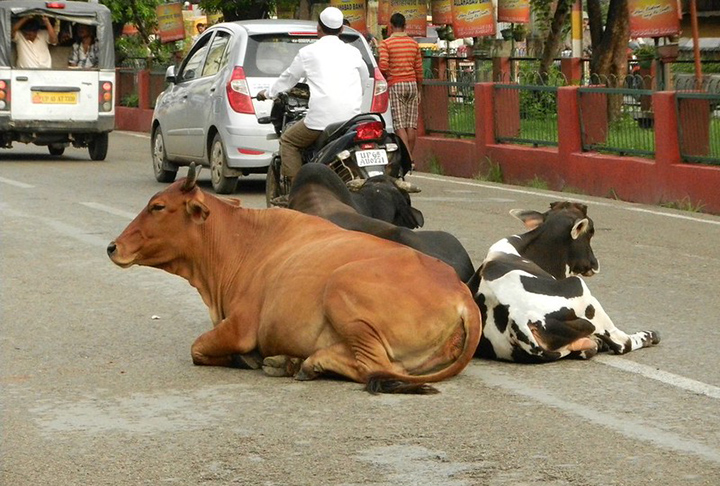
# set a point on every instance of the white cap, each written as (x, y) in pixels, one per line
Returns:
(332, 18)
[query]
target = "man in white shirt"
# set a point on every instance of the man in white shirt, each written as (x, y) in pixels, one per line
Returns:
(335, 73)
(32, 43)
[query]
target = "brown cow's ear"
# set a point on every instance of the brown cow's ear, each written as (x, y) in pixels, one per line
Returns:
(532, 219)
(580, 227)
(198, 211)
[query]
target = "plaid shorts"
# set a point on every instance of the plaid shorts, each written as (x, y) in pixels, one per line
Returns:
(404, 104)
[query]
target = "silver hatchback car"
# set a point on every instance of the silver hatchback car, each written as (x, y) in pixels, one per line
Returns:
(208, 114)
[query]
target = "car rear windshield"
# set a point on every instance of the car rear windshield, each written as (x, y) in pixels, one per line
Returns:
(268, 55)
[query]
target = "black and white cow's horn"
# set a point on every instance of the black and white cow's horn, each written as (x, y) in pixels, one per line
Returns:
(191, 179)
(406, 186)
(355, 184)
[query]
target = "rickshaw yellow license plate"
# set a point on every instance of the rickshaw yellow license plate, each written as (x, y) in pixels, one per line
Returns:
(54, 98)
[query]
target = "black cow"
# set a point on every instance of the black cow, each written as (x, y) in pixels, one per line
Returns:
(386, 198)
(534, 305)
(319, 191)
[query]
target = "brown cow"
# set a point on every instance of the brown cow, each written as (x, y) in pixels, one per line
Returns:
(290, 286)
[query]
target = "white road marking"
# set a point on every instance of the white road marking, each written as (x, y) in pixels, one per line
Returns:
(656, 374)
(109, 209)
(565, 197)
(134, 134)
(629, 428)
(16, 183)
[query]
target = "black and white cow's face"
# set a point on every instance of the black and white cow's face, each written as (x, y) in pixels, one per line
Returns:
(558, 240)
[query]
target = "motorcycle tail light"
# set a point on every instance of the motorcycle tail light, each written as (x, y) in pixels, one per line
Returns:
(369, 131)
(381, 97)
(238, 92)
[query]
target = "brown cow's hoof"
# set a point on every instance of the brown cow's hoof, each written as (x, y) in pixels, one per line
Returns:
(305, 375)
(281, 365)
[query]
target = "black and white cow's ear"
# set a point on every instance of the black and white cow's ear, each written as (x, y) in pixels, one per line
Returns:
(579, 228)
(531, 219)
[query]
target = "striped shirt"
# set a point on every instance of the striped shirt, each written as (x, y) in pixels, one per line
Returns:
(400, 59)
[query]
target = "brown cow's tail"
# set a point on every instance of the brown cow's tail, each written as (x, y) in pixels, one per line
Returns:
(387, 382)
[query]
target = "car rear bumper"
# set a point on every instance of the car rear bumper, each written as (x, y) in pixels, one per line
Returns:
(103, 124)
(249, 147)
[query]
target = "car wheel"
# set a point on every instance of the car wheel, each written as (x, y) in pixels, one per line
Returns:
(218, 162)
(56, 149)
(159, 159)
(98, 147)
(275, 184)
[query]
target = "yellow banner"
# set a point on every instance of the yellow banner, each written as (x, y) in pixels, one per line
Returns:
(171, 26)
(441, 11)
(473, 18)
(415, 12)
(514, 11)
(353, 11)
(383, 15)
(653, 18)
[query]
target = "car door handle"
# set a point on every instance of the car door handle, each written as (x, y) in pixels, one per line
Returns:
(21, 78)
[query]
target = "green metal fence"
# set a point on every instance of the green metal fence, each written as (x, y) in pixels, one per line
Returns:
(698, 116)
(617, 120)
(449, 107)
(526, 114)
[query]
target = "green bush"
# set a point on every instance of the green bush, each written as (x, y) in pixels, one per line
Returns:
(131, 100)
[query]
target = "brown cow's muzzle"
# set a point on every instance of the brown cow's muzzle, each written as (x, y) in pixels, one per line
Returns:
(112, 251)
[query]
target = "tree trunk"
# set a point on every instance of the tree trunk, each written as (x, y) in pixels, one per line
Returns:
(610, 54)
(554, 38)
(305, 9)
(608, 65)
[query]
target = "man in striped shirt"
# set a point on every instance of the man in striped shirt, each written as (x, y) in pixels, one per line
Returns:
(401, 64)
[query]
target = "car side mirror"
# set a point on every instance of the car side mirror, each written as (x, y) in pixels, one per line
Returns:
(170, 74)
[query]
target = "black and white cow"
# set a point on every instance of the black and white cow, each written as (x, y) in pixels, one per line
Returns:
(535, 307)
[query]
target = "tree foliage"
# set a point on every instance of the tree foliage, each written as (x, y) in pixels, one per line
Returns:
(240, 9)
(143, 15)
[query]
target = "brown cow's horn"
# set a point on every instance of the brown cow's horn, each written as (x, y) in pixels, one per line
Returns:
(191, 178)
(406, 186)
(355, 184)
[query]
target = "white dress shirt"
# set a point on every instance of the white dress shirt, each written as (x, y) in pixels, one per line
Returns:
(34, 54)
(335, 73)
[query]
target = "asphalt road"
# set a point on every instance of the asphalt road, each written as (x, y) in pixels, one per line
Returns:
(97, 385)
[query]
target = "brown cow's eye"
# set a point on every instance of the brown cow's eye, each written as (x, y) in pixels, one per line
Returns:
(157, 207)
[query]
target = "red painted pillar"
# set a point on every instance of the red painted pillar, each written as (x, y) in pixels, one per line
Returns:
(667, 143)
(570, 139)
(143, 84)
(484, 118)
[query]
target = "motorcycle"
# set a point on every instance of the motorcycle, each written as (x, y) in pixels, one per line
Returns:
(355, 150)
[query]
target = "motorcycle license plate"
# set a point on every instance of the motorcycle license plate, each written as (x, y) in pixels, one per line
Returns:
(365, 158)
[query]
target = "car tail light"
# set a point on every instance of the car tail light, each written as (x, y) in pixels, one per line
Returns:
(105, 96)
(238, 93)
(380, 94)
(4, 95)
(369, 131)
(246, 151)
(54, 5)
